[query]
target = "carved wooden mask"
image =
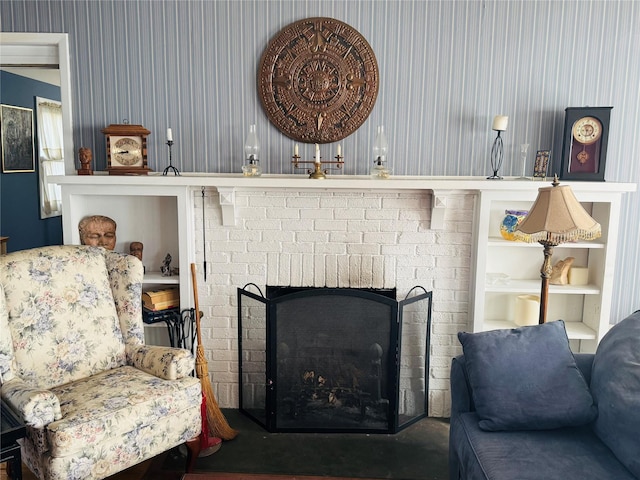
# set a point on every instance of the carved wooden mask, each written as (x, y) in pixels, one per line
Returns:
(318, 80)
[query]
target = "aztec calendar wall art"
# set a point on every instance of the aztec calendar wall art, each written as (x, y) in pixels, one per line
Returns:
(318, 80)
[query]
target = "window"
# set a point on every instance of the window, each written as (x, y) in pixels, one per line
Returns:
(50, 155)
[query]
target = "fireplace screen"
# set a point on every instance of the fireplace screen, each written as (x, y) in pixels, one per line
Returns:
(333, 359)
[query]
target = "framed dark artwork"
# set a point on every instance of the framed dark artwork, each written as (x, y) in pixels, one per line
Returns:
(541, 165)
(16, 127)
(584, 148)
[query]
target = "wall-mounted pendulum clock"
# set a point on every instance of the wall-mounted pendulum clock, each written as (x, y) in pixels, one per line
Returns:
(318, 80)
(126, 149)
(584, 151)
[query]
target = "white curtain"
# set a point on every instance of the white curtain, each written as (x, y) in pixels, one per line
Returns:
(51, 154)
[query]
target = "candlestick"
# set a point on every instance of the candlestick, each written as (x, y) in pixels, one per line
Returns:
(497, 150)
(339, 149)
(170, 167)
(169, 135)
(318, 171)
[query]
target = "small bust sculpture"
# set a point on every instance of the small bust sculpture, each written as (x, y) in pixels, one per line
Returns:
(85, 156)
(98, 231)
(135, 249)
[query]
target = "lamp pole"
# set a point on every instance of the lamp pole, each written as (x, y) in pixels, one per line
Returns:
(545, 275)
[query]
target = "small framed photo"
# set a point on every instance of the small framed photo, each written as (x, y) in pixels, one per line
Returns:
(16, 127)
(541, 165)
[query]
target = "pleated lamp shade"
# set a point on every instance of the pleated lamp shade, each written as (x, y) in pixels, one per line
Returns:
(557, 217)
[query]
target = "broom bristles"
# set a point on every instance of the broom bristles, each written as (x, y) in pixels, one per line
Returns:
(218, 425)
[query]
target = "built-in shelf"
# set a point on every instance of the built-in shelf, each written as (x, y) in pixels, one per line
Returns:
(501, 242)
(533, 286)
(505, 269)
(152, 278)
(159, 211)
(575, 330)
(228, 184)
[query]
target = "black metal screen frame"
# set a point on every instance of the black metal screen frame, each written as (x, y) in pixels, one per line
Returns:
(397, 426)
(267, 419)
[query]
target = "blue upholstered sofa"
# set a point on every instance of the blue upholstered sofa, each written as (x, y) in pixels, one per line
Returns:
(524, 407)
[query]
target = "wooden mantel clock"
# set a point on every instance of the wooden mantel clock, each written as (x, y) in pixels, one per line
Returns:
(584, 151)
(126, 149)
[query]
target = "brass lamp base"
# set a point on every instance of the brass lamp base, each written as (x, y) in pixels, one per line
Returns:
(318, 173)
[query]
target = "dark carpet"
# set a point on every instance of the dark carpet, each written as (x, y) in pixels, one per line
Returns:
(256, 476)
(420, 452)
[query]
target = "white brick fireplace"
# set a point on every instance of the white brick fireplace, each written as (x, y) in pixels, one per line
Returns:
(341, 238)
(345, 231)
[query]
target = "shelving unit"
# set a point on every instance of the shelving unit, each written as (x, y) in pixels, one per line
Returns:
(160, 218)
(159, 211)
(584, 308)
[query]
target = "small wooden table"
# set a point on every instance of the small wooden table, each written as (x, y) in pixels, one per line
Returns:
(12, 430)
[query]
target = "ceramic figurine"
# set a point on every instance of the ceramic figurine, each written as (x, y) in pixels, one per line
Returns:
(560, 272)
(165, 269)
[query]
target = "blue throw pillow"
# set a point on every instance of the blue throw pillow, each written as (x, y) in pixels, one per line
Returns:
(615, 383)
(526, 379)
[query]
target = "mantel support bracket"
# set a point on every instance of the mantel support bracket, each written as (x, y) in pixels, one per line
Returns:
(228, 205)
(438, 208)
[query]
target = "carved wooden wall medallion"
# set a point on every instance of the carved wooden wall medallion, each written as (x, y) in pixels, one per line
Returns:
(318, 80)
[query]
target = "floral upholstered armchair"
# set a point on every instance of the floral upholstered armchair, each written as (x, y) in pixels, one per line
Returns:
(73, 364)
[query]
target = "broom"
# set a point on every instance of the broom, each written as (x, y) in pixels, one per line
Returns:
(218, 425)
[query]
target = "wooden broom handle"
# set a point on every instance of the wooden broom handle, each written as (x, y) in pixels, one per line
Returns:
(195, 301)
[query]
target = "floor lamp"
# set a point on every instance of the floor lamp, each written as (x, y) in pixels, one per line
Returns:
(556, 217)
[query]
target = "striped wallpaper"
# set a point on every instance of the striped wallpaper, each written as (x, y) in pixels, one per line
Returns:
(446, 68)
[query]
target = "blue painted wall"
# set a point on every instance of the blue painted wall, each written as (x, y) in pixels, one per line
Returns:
(19, 192)
(446, 68)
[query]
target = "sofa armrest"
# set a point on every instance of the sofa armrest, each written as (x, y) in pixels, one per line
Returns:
(461, 395)
(169, 363)
(585, 362)
(36, 406)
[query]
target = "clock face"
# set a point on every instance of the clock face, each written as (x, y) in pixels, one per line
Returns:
(318, 80)
(126, 151)
(587, 130)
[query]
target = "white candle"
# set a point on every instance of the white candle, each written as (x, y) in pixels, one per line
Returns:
(500, 123)
(527, 310)
(339, 150)
(317, 153)
(579, 276)
(169, 135)
(295, 149)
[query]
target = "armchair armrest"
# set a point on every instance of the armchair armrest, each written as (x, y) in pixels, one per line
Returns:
(169, 363)
(36, 406)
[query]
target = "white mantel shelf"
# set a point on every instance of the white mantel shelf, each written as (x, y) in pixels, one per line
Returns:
(228, 184)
